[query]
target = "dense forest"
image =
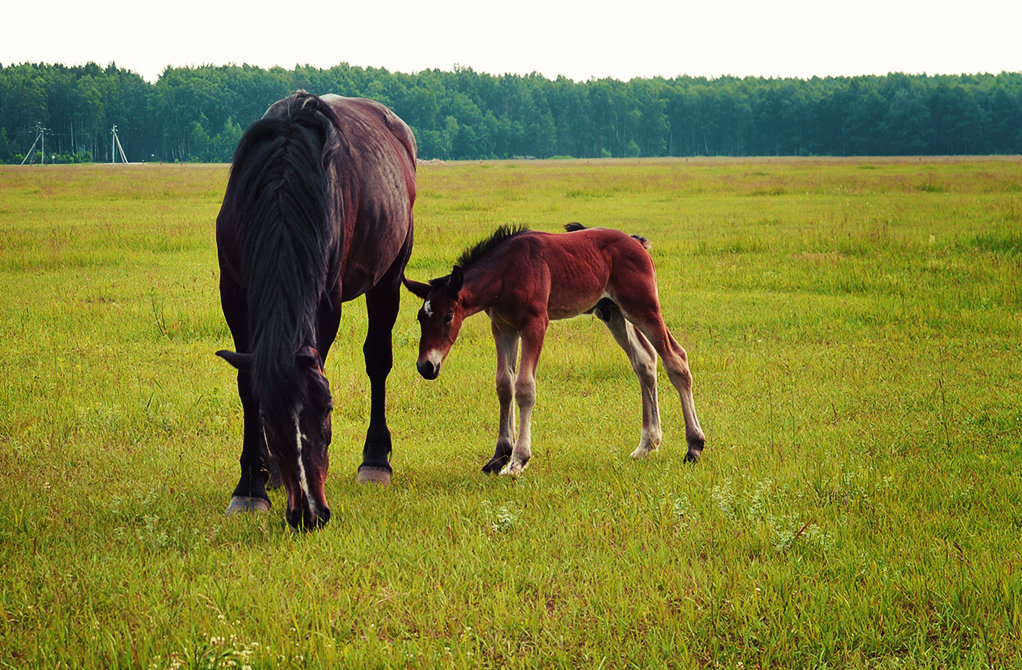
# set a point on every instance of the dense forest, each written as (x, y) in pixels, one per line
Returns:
(198, 114)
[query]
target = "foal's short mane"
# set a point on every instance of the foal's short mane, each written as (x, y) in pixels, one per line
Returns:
(480, 249)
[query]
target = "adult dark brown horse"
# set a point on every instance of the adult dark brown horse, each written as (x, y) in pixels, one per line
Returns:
(522, 279)
(318, 211)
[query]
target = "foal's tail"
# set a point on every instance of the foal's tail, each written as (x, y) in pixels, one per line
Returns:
(575, 225)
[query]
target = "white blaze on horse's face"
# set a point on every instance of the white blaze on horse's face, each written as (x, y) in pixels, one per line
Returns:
(299, 443)
(303, 481)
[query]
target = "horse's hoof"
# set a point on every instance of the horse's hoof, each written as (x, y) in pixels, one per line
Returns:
(247, 504)
(371, 475)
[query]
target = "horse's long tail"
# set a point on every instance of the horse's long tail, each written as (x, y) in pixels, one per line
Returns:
(575, 225)
(279, 186)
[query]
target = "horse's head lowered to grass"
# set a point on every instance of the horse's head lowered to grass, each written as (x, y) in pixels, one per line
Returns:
(440, 319)
(295, 423)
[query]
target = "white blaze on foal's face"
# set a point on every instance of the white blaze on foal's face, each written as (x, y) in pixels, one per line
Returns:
(440, 321)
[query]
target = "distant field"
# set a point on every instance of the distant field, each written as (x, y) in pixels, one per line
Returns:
(853, 328)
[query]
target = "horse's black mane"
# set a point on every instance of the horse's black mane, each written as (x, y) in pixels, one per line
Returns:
(483, 247)
(279, 188)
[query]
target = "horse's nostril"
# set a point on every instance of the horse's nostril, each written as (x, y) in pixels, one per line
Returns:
(306, 520)
(429, 370)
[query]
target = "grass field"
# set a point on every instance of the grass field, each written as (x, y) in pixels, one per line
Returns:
(853, 328)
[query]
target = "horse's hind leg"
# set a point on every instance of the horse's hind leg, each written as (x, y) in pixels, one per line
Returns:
(507, 355)
(642, 356)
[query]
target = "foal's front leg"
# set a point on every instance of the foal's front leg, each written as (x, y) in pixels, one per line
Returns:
(525, 394)
(507, 355)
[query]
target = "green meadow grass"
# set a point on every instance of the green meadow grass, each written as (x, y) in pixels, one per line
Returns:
(853, 329)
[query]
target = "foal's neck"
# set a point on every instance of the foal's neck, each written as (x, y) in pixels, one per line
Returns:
(481, 290)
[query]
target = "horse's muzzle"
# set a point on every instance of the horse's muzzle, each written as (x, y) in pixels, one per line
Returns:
(306, 519)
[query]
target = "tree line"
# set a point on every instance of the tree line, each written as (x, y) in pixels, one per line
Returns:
(198, 113)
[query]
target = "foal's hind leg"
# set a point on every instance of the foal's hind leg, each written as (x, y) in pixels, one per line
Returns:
(641, 306)
(642, 356)
(676, 363)
(507, 355)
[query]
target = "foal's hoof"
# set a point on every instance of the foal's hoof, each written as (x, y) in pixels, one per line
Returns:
(513, 469)
(495, 464)
(643, 452)
(247, 504)
(371, 475)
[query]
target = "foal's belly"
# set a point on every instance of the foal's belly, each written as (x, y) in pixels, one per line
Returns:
(568, 304)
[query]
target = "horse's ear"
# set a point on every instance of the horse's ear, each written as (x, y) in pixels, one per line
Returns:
(417, 288)
(308, 358)
(239, 361)
(456, 281)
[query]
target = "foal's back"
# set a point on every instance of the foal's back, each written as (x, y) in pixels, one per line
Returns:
(577, 269)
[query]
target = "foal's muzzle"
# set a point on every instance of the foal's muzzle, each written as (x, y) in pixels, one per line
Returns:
(428, 369)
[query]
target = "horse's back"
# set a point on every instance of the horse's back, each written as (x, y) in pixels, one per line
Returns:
(371, 177)
(374, 133)
(373, 117)
(384, 150)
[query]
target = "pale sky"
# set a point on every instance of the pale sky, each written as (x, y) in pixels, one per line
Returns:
(578, 39)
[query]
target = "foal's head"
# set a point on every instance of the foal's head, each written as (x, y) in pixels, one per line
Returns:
(295, 417)
(440, 319)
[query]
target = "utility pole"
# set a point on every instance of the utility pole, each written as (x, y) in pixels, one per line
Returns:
(115, 143)
(40, 137)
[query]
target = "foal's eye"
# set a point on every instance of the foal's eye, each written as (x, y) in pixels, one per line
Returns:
(448, 317)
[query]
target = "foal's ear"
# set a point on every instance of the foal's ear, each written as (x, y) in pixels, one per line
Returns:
(239, 361)
(456, 281)
(417, 288)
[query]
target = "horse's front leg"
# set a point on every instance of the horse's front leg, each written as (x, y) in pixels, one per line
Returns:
(256, 463)
(382, 306)
(507, 355)
(525, 394)
(257, 466)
